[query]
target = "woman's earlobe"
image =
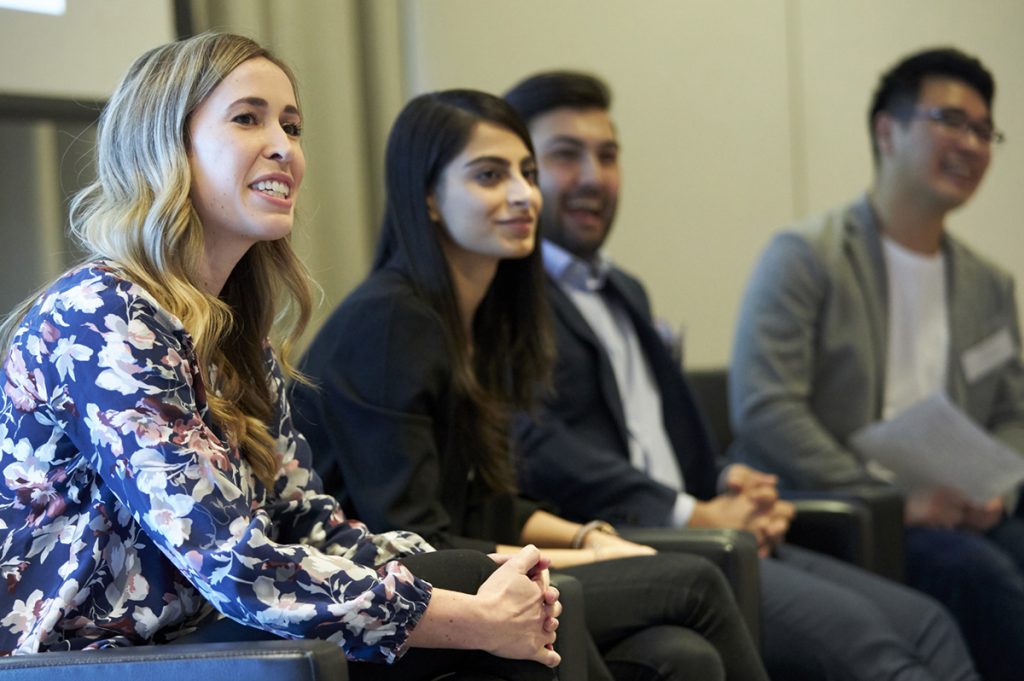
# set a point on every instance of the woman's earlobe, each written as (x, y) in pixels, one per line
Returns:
(432, 212)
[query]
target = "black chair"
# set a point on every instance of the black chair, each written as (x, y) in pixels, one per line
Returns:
(572, 640)
(278, 660)
(863, 526)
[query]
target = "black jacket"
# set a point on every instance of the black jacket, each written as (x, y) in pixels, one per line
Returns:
(575, 452)
(384, 426)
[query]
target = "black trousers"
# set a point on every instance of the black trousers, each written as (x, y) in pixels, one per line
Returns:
(669, 616)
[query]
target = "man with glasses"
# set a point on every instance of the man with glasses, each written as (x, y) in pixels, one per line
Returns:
(853, 316)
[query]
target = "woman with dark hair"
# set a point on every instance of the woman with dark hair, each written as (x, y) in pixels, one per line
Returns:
(153, 483)
(416, 374)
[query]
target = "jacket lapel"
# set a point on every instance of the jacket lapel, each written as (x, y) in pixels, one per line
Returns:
(961, 319)
(565, 310)
(863, 247)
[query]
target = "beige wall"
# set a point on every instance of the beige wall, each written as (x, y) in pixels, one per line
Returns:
(735, 118)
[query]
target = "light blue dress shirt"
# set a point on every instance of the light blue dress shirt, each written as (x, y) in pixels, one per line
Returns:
(649, 447)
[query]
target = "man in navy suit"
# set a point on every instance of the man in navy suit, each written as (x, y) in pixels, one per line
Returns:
(620, 437)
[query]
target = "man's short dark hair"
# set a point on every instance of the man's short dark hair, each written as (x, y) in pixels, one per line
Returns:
(899, 87)
(551, 90)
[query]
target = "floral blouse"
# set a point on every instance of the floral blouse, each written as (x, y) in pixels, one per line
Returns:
(125, 518)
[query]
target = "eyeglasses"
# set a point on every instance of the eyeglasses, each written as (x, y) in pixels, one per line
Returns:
(958, 122)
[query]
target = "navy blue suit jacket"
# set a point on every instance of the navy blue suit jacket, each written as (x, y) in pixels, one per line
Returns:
(575, 452)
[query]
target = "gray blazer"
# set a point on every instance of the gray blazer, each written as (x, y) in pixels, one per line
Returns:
(808, 365)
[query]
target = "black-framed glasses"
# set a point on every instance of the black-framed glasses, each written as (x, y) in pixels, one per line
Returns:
(957, 121)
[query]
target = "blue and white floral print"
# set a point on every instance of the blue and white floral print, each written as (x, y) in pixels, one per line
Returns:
(125, 517)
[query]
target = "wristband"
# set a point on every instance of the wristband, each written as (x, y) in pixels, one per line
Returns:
(580, 537)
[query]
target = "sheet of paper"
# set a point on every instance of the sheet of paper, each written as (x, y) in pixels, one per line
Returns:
(932, 443)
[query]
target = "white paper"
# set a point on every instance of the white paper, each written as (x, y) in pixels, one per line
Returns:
(933, 444)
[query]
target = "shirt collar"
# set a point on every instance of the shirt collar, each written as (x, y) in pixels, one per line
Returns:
(573, 272)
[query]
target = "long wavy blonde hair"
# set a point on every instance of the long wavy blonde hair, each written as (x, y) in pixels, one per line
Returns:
(138, 214)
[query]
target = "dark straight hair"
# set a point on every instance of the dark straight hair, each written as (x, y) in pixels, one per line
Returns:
(899, 87)
(512, 347)
(550, 90)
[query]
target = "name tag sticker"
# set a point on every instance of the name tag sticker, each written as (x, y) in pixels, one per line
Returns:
(988, 354)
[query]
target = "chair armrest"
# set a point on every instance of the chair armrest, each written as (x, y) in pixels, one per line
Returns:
(861, 525)
(573, 638)
(733, 551)
(279, 660)
(836, 527)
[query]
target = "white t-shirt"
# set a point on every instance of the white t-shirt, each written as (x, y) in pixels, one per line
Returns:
(918, 327)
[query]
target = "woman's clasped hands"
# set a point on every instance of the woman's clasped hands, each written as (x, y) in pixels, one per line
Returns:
(523, 607)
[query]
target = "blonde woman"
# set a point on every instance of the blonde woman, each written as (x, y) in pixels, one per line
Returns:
(151, 475)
